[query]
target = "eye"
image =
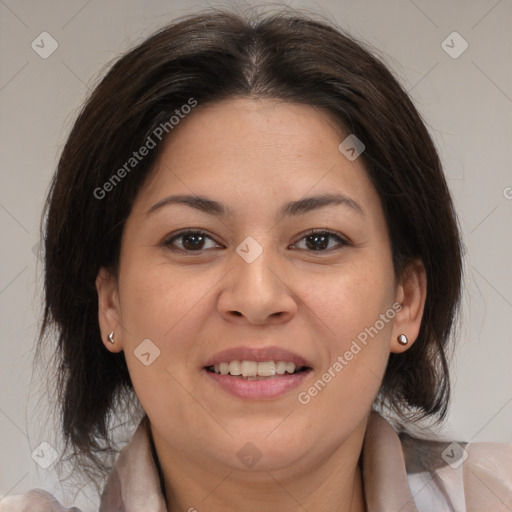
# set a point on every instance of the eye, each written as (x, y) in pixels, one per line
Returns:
(190, 241)
(319, 240)
(197, 240)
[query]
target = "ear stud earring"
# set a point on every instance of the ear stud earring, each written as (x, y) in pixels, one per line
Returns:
(110, 337)
(402, 339)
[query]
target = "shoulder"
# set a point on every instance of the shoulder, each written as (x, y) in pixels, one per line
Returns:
(35, 500)
(488, 474)
(133, 479)
(464, 476)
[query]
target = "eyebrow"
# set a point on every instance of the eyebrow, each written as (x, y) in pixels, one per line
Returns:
(292, 208)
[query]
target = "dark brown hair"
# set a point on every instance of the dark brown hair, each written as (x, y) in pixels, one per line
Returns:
(209, 57)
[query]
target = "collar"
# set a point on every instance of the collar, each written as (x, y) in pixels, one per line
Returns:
(135, 484)
(384, 473)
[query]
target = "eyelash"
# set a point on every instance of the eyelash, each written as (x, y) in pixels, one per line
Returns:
(342, 242)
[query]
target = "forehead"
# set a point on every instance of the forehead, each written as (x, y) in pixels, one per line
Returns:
(246, 152)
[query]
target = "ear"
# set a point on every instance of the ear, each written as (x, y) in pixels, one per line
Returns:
(411, 294)
(109, 314)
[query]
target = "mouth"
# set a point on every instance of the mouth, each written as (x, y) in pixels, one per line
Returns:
(262, 374)
(254, 370)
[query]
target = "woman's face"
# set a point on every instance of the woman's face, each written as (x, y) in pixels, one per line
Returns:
(255, 286)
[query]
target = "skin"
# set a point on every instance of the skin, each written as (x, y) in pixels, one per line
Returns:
(253, 156)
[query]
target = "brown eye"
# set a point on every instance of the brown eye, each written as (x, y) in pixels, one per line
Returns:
(190, 241)
(320, 241)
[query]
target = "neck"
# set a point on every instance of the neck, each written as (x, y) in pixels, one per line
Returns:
(331, 483)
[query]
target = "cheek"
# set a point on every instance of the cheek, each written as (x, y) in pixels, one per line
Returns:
(171, 307)
(160, 312)
(354, 316)
(351, 300)
(157, 305)
(156, 298)
(357, 344)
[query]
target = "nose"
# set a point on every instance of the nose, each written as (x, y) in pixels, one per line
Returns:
(259, 292)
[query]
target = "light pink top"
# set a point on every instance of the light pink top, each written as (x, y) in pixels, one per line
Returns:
(401, 474)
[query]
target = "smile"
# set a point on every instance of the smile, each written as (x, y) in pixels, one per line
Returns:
(263, 373)
(254, 370)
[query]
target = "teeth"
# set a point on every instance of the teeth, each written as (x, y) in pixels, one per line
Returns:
(266, 369)
(235, 368)
(290, 367)
(281, 367)
(249, 368)
(254, 369)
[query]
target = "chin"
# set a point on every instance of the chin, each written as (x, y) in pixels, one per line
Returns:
(264, 447)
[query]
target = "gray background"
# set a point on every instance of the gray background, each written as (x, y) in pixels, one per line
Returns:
(466, 102)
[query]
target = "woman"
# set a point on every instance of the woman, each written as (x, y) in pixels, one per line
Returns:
(250, 231)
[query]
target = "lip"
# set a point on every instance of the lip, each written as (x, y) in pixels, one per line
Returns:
(265, 389)
(258, 389)
(257, 354)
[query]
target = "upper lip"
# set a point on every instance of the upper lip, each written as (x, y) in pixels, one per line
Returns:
(245, 353)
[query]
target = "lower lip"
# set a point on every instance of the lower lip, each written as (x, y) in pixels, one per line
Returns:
(258, 389)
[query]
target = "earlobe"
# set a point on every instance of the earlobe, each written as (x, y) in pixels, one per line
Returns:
(109, 316)
(411, 294)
